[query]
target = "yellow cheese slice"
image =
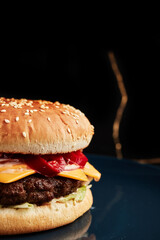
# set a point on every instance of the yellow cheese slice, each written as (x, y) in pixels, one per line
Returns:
(13, 173)
(77, 174)
(89, 170)
(10, 173)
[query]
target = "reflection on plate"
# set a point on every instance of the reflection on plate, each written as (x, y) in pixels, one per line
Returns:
(126, 200)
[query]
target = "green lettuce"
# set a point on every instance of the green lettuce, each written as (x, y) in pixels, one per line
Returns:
(23, 205)
(76, 196)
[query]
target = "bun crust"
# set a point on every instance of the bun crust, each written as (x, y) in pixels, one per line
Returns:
(40, 218)
(42, 127)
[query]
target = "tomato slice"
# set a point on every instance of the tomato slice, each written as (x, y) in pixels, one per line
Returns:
(77, 158)
(41, 166)
(51, 164)
(57, 163)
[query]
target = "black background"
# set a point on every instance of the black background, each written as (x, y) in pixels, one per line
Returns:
(78, 73)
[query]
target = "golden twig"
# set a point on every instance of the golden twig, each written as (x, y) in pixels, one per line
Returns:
(121, 108)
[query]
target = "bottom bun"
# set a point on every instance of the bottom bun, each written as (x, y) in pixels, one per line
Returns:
(40, 218)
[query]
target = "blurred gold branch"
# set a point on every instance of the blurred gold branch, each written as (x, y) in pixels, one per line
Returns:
(119, 113)
(121, 108)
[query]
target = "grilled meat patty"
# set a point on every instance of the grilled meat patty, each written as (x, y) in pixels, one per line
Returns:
(36, 189)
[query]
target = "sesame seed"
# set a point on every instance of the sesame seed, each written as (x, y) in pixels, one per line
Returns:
(42, 106)
(17, 119)
(3, 110)
(24, 134)
(66, 112)
(26, 113)
(57, 103)
(77, 121)
(7, 121)
(92, 128)
(29, 104)
(68, 130)
(49, 119)
(30, 120)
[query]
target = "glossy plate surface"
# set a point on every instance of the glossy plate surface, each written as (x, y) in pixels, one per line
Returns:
(126, 205)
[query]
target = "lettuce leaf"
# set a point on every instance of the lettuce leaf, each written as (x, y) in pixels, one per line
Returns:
(77, 196)
(23, 205)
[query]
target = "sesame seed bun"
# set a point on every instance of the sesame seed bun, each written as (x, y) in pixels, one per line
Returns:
(42, 127)
(40, 218)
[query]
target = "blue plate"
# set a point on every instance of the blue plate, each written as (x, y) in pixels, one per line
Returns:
(126, 205)
(126, 200)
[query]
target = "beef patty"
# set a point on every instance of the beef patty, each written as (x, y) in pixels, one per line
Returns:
(36, 189)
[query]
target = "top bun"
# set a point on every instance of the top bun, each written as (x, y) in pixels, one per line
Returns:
(42, 127)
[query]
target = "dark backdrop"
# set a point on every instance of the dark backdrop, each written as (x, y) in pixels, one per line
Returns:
(79, 73)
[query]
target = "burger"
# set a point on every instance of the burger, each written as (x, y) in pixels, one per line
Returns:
(44, 175)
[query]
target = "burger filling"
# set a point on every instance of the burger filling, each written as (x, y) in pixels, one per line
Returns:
(38, 179)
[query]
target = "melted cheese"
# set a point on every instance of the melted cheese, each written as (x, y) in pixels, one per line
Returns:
(89, 170)
(77, 174)
(13, 172)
